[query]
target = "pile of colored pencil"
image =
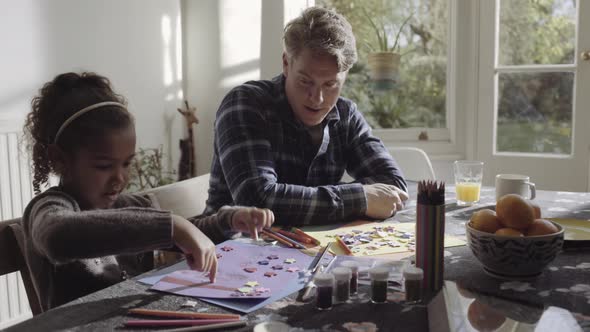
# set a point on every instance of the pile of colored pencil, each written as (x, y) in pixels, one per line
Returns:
(196, 320)
(293, 239)
(430, 232)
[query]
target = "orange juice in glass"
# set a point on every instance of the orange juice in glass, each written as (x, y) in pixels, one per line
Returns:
(468, 176)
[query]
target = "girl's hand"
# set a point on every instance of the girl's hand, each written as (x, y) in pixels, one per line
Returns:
(197, 247)
(251, 220)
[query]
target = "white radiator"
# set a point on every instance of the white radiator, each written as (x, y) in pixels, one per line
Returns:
(15, 193)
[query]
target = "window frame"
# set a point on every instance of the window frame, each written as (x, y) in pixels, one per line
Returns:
(458, 140)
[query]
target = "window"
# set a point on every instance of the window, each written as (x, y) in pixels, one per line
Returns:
(416, 95)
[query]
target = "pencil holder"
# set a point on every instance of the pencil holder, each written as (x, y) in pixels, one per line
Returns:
(430, 231)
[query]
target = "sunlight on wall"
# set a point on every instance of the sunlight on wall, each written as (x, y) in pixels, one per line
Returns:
(179, 51)
(166, 37)
(172, 79)
(240, 40)
(239, 78)
(171, 69)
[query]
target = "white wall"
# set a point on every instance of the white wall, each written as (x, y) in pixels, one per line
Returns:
(23, 69)
(228, 42)
(132, 42)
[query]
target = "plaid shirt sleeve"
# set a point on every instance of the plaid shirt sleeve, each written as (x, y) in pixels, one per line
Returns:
(369, 161)
(247, 161)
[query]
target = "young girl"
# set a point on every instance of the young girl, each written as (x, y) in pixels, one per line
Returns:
(85, 234)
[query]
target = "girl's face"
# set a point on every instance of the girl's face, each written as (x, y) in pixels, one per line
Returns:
(97, 173)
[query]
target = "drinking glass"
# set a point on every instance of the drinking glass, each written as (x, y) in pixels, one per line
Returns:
(468, 176)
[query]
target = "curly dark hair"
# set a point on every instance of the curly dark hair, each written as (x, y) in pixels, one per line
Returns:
(58, 100)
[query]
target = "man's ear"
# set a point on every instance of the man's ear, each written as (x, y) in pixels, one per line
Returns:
(57, 158)
(285, 64)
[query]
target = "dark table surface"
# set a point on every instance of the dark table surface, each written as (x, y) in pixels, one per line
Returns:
(565, 284)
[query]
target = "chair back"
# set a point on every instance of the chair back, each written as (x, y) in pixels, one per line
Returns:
(12, 244)
(414, 163)
(185, 198)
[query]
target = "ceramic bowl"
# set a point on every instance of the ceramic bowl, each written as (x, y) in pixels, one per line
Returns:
(514, 258)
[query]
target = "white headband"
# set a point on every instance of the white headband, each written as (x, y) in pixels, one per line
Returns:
(83, 111)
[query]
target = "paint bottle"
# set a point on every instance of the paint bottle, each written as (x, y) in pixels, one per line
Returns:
(324, 289)
(379, 276)
(413, 277)
(342, 280)
(354, 275)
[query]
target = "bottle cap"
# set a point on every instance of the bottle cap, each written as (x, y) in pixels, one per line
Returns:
(341, 273)
(379, 273)
(352, 265)
(413, 273)
(323, 279)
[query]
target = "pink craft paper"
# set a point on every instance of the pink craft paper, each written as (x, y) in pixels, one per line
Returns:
(232, 274)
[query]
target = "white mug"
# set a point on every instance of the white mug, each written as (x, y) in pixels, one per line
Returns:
(514, 184)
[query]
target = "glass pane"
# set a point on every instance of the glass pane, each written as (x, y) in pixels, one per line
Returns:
(416, 96)
(537, 32)
(535, 113)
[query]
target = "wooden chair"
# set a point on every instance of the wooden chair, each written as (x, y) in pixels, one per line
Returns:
(12, 258)
(414, 163)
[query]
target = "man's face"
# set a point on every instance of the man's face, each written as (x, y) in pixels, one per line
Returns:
(97, 174)
(313, 84)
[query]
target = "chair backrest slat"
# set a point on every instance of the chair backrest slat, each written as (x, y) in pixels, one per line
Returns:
(12, 258)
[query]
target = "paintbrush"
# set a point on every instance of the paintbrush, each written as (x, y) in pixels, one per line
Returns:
(314, 267)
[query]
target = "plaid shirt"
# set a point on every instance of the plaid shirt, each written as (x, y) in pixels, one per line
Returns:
(264, 157)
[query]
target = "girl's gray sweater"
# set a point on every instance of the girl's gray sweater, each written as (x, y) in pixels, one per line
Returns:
(72, 253)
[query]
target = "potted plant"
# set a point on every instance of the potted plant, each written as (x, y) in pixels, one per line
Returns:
(147, 170)
(384, 58)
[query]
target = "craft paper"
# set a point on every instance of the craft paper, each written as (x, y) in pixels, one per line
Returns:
(372, 238)
(232, 279)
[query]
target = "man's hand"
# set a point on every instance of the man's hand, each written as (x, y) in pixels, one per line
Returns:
(251, 220)
(384, 200)
(197, 247)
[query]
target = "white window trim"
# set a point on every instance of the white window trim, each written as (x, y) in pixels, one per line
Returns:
(458, 139)
(461, 92)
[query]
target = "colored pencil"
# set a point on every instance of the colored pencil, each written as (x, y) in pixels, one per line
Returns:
(176, 322)
(302, 233)
(343, 245)
(208, 327)
(296, 237)
(281, 240)
(291, 241)
(181, 314)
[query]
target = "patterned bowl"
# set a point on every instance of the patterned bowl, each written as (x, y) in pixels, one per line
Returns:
(514, 258)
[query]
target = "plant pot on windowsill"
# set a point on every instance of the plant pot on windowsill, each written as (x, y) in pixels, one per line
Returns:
(384, 69)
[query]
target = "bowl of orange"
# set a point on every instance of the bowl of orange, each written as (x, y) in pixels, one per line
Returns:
(513, 242)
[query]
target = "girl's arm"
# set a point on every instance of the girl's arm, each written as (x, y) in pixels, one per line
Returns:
(229, 220)
(62, 233)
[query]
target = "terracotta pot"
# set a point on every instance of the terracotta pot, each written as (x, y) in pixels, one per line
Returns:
(384, 66)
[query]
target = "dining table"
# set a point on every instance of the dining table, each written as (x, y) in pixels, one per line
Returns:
(520, 305)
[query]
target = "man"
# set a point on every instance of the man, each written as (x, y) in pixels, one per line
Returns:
(284, 144)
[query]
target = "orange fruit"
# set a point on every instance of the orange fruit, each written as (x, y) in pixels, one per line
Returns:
(515, 212)
(536, 209)
(509, 232)
(483, 317)
(485, 220)
(541, 227)
(464, 292)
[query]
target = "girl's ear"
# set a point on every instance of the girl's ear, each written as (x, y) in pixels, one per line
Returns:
(57, 158)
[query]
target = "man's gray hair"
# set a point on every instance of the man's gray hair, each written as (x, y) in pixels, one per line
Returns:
(323, 31)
